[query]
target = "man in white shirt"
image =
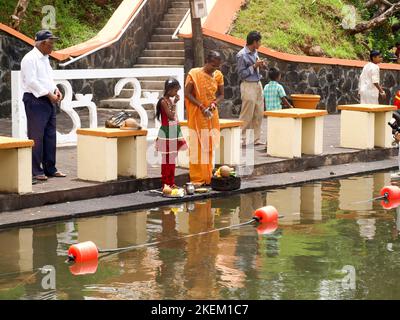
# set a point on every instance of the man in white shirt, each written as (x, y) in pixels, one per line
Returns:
(40, 96)
(368, 86)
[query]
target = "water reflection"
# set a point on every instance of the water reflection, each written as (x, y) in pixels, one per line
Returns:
(353, 191)
(322, 231)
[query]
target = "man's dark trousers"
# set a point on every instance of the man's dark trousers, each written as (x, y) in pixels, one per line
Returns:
(41, 116)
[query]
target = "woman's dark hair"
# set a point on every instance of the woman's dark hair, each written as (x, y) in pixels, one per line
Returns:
(273, 74)
(253, 36)
(170, 84)
(213, 55)
(374, 53)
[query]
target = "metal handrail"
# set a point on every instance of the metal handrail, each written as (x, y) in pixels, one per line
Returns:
(174, 36)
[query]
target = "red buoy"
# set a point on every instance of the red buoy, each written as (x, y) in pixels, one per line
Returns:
(390, 193)
(266, 214)
(84, 251)
(82, 268)
(267, 228)
(390, 204)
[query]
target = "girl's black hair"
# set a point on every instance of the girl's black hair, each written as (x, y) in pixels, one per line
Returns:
(170, 84)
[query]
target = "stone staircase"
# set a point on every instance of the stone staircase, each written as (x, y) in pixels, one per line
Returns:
(161, 52)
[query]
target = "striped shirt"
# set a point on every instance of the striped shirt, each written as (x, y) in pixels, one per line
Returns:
(273, 94)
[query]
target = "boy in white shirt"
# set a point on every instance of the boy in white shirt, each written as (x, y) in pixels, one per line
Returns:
(368, 85)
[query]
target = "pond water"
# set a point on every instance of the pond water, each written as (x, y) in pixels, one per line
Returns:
(326, 246)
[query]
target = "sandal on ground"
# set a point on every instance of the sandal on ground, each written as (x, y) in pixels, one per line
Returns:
(41, 177)
(58, 174)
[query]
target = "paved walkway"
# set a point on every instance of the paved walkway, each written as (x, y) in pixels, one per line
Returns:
(66, 156)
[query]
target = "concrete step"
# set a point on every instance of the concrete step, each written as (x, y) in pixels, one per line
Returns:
(152, 85)
(126, 93)
(180, 4)
(168, 31)
(146, 86)
(169, 24)
(172, 17)
(161, 60)
(164, 53)
(163, 38)
(165, 45)
(115, 103)
(158, 79)
(179, 10)
(144, 65)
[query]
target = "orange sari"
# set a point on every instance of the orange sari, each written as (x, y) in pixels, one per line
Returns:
(203, 132)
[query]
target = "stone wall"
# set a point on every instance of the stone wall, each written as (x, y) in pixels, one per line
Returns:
(335, 84)
(11, 52)
(121, 54)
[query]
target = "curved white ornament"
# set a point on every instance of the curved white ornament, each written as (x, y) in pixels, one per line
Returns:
(67, 105)
(135, 101)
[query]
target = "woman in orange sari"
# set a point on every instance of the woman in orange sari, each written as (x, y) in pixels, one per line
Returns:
(204, 90)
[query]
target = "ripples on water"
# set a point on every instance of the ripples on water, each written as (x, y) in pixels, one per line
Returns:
(326, 247)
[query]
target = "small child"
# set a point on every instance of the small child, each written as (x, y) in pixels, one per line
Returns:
(274, 93)
(170, 139)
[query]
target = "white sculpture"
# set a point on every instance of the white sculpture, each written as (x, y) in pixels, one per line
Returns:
(137, 102)
(62, 77)
(67, 105)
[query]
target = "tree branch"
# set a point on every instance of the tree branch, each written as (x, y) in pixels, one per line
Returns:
(377, 21)
(18, 14)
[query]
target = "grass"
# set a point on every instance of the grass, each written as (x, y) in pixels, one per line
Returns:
(289, 25)
(76, 21)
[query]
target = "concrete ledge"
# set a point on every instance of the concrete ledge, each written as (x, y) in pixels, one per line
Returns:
(10, 202)
(146, 200)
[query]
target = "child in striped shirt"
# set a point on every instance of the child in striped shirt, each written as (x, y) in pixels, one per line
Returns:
(274, 93)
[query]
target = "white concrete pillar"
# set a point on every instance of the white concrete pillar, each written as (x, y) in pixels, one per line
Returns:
(97, 158)
(383, 133)
(284, 136)
(312, 135)
(132, 153)
(229, 149)
(16, 170)
(357, 129)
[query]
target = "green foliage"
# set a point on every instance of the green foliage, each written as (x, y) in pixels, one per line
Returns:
(76, 21)
(313, 22)
(12, 293)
